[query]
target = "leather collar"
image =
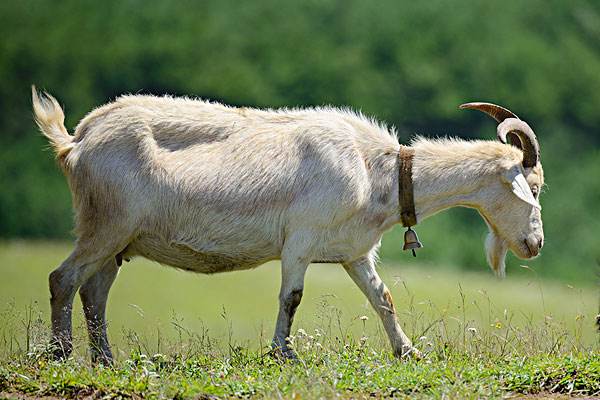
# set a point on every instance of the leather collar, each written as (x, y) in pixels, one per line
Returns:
(406, 199)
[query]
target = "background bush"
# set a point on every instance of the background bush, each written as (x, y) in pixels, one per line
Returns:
(408, 63)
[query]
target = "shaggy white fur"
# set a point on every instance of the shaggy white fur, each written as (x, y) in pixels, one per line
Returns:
(210, 188)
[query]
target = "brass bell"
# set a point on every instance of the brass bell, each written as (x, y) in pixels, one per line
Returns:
(411, 241)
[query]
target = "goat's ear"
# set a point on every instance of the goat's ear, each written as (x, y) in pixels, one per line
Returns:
(519, 186)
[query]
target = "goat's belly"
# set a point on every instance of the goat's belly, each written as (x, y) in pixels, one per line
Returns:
(183, 256)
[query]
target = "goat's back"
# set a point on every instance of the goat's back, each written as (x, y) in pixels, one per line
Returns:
(179, 166)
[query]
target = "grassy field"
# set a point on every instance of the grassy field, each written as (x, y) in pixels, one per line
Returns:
(177, 334)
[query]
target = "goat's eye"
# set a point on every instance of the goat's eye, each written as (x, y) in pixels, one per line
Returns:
(535, 190)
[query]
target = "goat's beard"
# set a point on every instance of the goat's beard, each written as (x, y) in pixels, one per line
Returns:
(496, 249)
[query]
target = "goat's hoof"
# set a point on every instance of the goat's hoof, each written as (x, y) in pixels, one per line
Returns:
(102, 359)
(284, 355)
(60, 353)
(409, 352)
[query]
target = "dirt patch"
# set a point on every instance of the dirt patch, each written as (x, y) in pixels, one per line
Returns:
(549, 396)
(85, 394)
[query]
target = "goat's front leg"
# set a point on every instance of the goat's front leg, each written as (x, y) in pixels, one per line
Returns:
(363, 273)
(293, 269)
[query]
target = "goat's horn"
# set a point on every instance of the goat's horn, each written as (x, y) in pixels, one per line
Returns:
(519, 133)
(526, 139)
(493, 110)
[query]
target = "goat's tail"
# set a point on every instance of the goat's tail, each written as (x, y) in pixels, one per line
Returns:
(50, 118)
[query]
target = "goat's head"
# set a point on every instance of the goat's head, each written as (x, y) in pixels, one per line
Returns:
(513, 211)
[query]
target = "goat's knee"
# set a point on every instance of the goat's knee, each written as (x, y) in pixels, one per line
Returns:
(288, 303)
(291, 302)
(60, 285)
(386, 302)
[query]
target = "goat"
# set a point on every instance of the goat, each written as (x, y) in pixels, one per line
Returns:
(209, 188)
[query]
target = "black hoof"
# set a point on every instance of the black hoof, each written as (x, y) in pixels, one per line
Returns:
(60, 351)
(284, 355)
(103, 359)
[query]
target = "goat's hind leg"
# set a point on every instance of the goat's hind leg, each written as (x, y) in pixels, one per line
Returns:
(94, 294)
(90, 254)
(64, 282)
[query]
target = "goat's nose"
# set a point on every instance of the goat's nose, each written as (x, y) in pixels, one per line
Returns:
(534, 245)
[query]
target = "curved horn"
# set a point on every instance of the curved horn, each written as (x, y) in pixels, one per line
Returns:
(520, 134)
(497, 112)
(527, 139)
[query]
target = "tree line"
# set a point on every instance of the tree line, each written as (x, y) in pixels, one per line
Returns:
(407, 63)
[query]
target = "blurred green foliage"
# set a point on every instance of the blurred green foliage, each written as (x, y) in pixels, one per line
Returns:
(408, 63)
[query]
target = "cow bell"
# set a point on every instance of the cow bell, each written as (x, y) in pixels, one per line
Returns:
(411, 241)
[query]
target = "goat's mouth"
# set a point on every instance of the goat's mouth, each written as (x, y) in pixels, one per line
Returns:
(533, 251)
(523, 250)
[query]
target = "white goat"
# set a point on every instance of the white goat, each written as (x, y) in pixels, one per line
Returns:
(209, 188)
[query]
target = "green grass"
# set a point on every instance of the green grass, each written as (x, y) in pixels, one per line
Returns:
(176, 334)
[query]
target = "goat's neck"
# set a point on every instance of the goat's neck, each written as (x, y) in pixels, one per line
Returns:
(441, 184)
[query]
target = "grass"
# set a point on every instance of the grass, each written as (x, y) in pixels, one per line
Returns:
(180, 335)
